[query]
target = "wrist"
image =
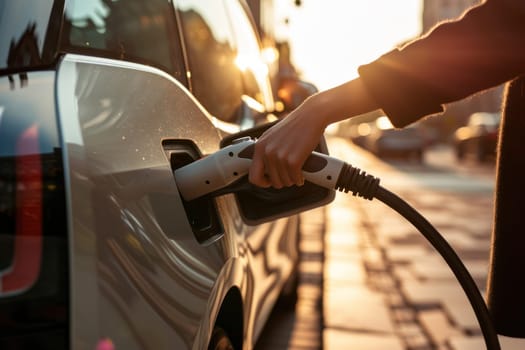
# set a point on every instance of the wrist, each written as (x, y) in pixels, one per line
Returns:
(320, 109)
(341, 102)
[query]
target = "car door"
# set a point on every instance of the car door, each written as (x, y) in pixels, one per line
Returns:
(144, 265)
(229, 78)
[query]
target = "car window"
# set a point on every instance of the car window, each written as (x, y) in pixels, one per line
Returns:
(249, 60)
(211, 53)
(27, 35)
(132, 30)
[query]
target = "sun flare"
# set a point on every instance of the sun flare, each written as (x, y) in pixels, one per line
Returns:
(331, 38)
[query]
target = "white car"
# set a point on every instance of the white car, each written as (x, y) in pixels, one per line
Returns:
(100, 101)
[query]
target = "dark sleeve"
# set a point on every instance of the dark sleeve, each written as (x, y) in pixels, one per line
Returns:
(480, 50)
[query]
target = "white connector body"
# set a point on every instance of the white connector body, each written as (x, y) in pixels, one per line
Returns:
(220, 169)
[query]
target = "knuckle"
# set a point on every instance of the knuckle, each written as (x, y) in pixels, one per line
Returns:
(294, 162)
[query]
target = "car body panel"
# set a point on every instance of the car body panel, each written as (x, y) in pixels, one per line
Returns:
(129, 258)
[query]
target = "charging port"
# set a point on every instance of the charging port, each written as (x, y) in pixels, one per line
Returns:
(202, 213)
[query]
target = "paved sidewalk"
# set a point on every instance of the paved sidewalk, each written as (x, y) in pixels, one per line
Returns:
(384, 285)
(300, 328)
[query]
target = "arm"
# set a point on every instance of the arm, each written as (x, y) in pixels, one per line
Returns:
(282, 150)
(482, 49)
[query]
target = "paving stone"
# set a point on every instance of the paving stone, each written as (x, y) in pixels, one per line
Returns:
(349, 271)
(395, 300)
(390, 231)
(383, 282)
(477, 226)
(437, 326)
(344, 246)
(311, 267)
(341, 216)
(336, 254)
(356, 307)
(433, 266)
(468, 343)
(404, 274)
(311, 246)
(441, 219)
(412, 333)
(429, 199)
(433, 292)
(404, 315)
(461, 240)
(418, 342)
(409, 329)
(373, 259)
(405, 253)
(454, 303)
(461, 314)
(308, 292)
(338, 340)
(477, 343)
(412, 238)
(347, 239)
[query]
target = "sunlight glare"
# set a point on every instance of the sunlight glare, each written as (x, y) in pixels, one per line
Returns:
(384, 123)
(329, 39)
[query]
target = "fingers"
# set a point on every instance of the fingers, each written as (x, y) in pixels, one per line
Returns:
(294, 170)
(257, 175)
(275, 167)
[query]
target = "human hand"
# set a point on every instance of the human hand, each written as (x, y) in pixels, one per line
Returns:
(281, 151)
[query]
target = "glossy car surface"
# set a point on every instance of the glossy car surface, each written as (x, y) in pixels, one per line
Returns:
(479, 137)
(99, 102)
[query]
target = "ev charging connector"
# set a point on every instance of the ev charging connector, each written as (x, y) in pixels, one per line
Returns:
(226, 170)
(217, 173)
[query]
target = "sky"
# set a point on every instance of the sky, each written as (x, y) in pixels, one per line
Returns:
(330, 38)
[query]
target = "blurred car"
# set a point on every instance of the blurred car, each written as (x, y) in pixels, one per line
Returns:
(381, 138)
(356, 132)
(100, 101)
(479, 137)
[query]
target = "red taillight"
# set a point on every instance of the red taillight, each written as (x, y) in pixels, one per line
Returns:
(34, 265)
(25, 267)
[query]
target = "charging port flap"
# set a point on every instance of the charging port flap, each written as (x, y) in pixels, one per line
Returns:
(202, 213)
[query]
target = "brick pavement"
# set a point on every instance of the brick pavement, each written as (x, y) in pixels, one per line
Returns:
(369, 280)
(300, 328)
(384, 285)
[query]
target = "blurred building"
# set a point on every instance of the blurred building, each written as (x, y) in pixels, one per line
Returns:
(435, 11)
(286, 81)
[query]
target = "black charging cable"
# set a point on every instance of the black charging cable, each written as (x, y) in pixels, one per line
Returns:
(367, 186)
(221, 174)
